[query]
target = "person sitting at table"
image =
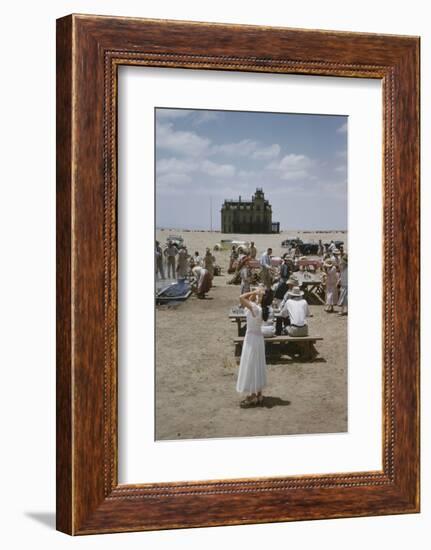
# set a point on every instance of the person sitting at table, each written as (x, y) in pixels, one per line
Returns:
(297, 310)
(281, 322)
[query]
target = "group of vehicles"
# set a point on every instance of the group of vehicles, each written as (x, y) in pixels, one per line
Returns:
(307, 248)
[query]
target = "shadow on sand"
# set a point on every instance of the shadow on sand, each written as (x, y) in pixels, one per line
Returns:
(283, 360)
(269, 402)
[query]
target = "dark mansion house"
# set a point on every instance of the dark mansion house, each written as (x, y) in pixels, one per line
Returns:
(253, 216)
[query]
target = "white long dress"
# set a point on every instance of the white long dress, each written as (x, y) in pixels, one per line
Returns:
(331, 287)
(252, 367)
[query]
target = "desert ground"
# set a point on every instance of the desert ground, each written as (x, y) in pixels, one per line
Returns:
(196, 369)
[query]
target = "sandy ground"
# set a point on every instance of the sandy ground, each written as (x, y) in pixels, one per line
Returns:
(196, 369)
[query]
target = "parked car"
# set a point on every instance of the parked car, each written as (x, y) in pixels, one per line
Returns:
(177, 240)
(291, 242)
(307, 249)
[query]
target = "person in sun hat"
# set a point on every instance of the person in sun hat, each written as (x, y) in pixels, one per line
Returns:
(170, 252)
(297, 310)
(331, 282)
(266, 271)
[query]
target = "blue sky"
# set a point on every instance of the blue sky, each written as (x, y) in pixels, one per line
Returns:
(203, 157)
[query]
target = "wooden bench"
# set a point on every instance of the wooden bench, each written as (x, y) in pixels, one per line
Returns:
(303, 344)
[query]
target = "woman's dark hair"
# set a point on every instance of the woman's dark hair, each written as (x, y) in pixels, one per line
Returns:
(267, 299)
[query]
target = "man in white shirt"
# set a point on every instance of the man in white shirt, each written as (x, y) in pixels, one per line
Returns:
(331, 247)
(170, 252)
(297, 310)
(265, 262)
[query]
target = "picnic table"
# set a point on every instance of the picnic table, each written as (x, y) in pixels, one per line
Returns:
(311, 284)
(302, 346)
(237, 314)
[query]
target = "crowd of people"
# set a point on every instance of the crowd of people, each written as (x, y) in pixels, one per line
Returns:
(272, 272)
(270, 294)
(275, 273)
(182, 265)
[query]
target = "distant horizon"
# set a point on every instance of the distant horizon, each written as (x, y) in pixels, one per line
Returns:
(237, 233)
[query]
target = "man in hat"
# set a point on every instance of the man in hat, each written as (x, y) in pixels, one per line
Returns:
(296, 309)
(170, 252)
(159, 260)
(182, 265)
(265, 262)
(282, 321)
(331, 247)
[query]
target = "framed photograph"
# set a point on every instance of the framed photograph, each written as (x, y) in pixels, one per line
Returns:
(237, 274)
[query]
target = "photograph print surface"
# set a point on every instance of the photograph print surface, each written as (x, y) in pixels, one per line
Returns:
(251, 273)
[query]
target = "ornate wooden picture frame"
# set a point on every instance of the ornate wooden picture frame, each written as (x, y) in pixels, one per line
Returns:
(89, 51)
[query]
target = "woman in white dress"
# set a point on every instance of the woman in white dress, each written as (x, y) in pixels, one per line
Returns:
(332, 278)
(252, 367)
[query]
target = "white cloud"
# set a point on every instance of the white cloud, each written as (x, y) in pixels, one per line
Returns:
(292, 167)
(248, 148)
(173, 178)
(202, 117)
(242, 148)
(335, 189)
(342, 129)
(267, 153)
(179, 141)
(169, 165)
(218, 170)
(341, 168)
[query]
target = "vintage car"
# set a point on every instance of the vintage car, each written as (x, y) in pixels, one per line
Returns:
(307, 249)
(177, 240)
(290, 242)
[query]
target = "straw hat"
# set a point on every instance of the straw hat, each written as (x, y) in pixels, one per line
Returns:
(328, 263)
(337, 252)
(292, 281)
(296, 291)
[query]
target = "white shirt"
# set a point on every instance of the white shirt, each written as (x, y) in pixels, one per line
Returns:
(265, 260)
(297, 310)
